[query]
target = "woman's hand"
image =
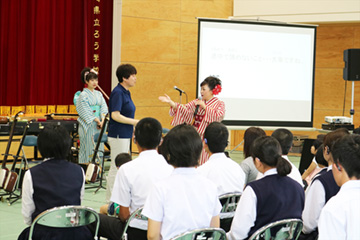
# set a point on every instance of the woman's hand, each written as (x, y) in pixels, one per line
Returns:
(167, 99)
(98, 123)
(201, 103)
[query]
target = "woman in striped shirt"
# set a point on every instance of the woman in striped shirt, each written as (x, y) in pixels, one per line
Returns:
(92, 108)
(199, 113)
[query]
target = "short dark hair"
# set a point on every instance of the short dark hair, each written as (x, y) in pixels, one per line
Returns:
(319, 156)
(285, 138)
(83, 72)
(268, 150)
(331, 137)
(216, 137)
(250, 135)
(211, 82)
(148, 132)
(121, 159)
(54, 142)
(125, 71)
(318, 141)
(182, 146)
(346, 151)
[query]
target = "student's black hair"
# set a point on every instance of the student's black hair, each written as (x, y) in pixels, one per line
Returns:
(54, 142)
(182, 146)
(268, 150)
(211, 82)
(356, 130)
(124, 71)
(250, 135)
(285, 138)
(91, 76)
(216, 135)
(83, 72)
(346, 151)
(121, 159)
(148, 132)
(331, 137)
(319, 156)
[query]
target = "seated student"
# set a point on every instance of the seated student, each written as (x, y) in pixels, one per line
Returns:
(271, 198)
(247, 165)
(134, 181)
(185, 200)
(321, 165)
(54, 182)
(322, 188)
(120, 159)
(285, 138)
(340, 217)
(221, 170)
(314, 148)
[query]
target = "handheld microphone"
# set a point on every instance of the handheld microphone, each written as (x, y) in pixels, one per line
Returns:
(176, 88)
(197, 107)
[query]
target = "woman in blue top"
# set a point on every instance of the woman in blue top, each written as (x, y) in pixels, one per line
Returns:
(92, 108)
(122, 122)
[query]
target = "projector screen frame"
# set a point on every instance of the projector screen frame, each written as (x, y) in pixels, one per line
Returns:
(264, 23)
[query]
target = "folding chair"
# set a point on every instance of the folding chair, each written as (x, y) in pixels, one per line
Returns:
(67, 217)
(202, 234)
(229, 202)
(135, 215)
(287, 229)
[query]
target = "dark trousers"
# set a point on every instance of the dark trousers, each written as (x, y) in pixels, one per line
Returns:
(112, 228)
(45, 233)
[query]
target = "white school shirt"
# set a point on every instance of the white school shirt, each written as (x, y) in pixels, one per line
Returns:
(135, 179)
(314, 203)
(184, 201)
(340, 218)
(227, 175)
(294, 174)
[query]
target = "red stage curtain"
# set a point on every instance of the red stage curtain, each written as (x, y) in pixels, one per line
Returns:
(44, 44)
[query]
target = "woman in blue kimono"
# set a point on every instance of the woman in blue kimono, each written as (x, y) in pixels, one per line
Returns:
(92, 108)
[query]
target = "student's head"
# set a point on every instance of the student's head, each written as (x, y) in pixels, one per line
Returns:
(125, 71)
(316, 144)
(250, 135)
(182, 146)
(319, 156)
(285, 138)
(148, 133)
(356, 130)
(329, 141)
(346, 155)
(121, 159)
(54, 142)
(216, 137)
(267, 150)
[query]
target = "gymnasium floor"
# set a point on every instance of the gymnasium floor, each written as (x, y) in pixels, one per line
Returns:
(11, 222)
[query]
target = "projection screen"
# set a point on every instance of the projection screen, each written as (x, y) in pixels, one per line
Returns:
(266, 69)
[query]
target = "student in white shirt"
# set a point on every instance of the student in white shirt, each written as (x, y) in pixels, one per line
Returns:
(134, 181)
(285, 138)
(221, 170)
(339, 219)
(185, 200)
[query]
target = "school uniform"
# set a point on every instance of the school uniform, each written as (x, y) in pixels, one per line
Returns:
(182, 202)
(52, 183)
(339, 218)
(322, 188)
(226, 174)
(264, 201)
(132, 185)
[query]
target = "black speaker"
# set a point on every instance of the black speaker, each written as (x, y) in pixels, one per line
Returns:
(352, 64)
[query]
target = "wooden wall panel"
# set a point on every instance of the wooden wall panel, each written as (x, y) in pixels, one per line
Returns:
(150, 40)
(154, 9)
(188, 43)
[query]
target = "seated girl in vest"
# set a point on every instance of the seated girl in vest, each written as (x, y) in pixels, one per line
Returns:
(320, 166)
(271, 198)
(53, 183)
